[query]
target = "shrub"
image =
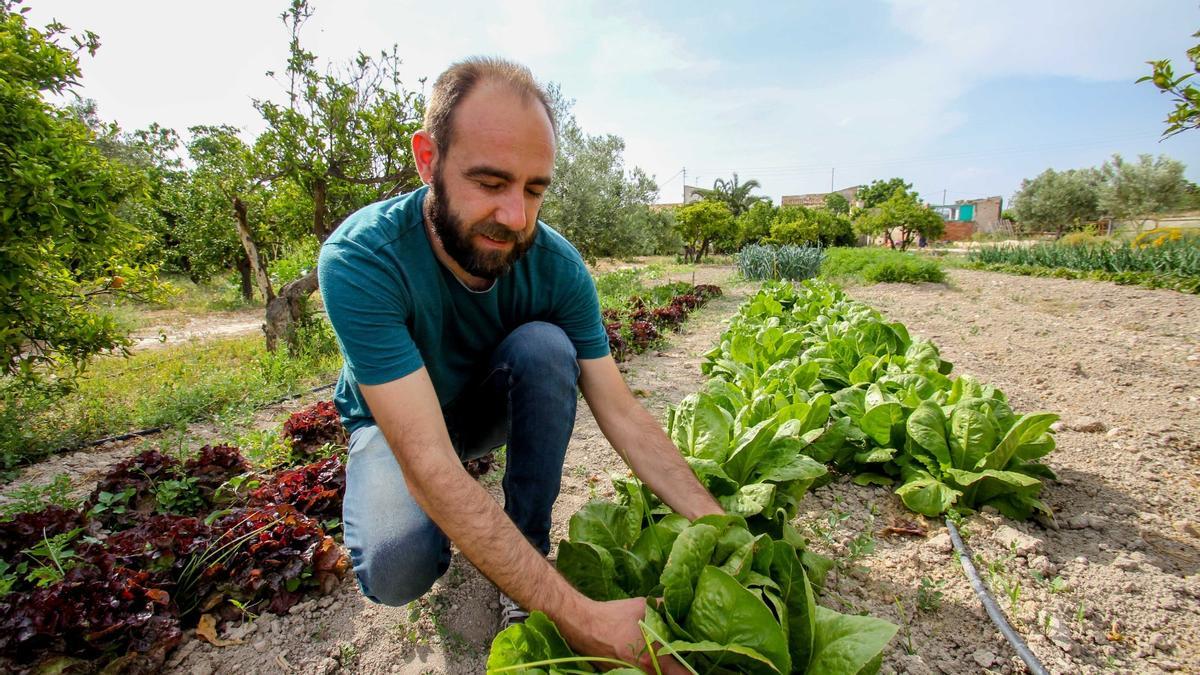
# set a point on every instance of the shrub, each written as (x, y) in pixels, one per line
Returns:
(903, 271)
(880, 265)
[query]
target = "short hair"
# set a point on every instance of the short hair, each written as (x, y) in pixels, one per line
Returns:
(461, 78)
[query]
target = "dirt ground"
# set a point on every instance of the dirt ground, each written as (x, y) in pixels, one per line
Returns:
(1110, 585)
(170, 327)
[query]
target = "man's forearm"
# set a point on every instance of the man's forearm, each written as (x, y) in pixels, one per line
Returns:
(469, 516)
(644, 446)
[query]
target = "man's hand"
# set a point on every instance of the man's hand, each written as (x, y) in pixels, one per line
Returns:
(610, 629)
(640, 441)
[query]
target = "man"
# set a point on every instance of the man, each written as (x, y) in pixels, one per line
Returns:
(465, 323)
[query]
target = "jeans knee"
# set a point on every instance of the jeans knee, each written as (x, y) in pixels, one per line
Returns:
(397, 570)
(543, 349)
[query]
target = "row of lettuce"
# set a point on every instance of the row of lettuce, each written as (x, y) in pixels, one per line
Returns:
(113, 581)
(804, 380)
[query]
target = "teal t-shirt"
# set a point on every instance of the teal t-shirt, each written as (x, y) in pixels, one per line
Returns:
(396, 308)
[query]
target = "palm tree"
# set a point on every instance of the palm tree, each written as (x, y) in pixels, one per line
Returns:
(733, 194)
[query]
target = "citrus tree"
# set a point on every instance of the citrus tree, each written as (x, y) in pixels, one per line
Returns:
(702, 223)
(903, 212)
(1186, 114)
(63, 245)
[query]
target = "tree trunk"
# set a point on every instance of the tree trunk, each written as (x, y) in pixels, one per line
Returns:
(285, 310)
(256, 262)
(247, 280)
(319, 191)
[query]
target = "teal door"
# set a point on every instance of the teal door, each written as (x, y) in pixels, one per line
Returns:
(966, 212)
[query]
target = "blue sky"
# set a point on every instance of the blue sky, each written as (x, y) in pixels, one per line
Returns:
(962, 97)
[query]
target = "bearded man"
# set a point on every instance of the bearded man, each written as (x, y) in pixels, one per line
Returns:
(465, 324)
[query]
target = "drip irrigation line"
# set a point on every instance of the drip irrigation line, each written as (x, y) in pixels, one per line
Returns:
(989, 604)
(155, 430)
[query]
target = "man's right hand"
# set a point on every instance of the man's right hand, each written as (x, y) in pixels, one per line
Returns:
(610, 629)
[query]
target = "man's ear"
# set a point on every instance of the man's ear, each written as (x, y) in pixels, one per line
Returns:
(425, 153)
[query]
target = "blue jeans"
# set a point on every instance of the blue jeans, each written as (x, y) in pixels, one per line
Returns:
(525, 399)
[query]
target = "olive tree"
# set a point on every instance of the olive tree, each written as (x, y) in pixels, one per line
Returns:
(601, 207)
(1135, 191)
(1058, 200)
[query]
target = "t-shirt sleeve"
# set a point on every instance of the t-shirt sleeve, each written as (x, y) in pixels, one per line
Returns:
(579, 315)
(369, 312)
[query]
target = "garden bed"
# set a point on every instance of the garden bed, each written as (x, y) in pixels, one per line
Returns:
(1114, 587)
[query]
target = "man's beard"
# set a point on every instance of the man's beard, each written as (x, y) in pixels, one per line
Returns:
(457, 238)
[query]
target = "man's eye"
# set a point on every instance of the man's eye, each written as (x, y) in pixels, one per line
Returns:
(536, 193)
(494, 187)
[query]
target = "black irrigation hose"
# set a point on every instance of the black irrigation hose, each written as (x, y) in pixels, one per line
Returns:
(989, 604)
(154, 430)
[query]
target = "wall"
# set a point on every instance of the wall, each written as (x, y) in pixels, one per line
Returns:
(958, 230)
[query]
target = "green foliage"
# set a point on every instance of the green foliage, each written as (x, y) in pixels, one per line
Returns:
(904, 212)
(1145, 279)
(344, 138)
(879, 191)
(929, 594)
(800, 225)
(754, 224)
(178, 495)
(50, 559)
(62, 242)
(837, 204)
(1179, 257)
(28, 498)
(758, 262)
(1186, 97)
(871, 265)
(602, 208)
(1137, 190)
(297, 259)
(733, 601)
(1058, 200)
(896, 415)
(1129, 191)
(701, 224)
(216, 381)
(733, 194)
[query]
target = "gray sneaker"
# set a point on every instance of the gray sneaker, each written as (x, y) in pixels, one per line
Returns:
(510, 612)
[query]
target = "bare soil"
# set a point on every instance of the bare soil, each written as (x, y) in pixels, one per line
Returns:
(1111, 584)
(170, 327)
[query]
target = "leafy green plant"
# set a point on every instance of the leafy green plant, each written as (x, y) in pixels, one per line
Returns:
(870, 265)
(1180, 257)
(51, 558)
(762, 261)
(929, 594)
(895, 414)
(732, 601)
(115, 503)
(28, 497)
(178, 495)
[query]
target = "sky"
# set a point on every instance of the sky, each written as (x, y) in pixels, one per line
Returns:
(963, 99)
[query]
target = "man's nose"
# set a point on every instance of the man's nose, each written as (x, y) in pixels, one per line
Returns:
(511, 213)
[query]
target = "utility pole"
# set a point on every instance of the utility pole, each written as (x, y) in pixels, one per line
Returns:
(943, 197)
(685, 185)
(831, 170)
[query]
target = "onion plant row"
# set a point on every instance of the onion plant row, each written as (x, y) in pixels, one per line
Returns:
(1178, 258)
